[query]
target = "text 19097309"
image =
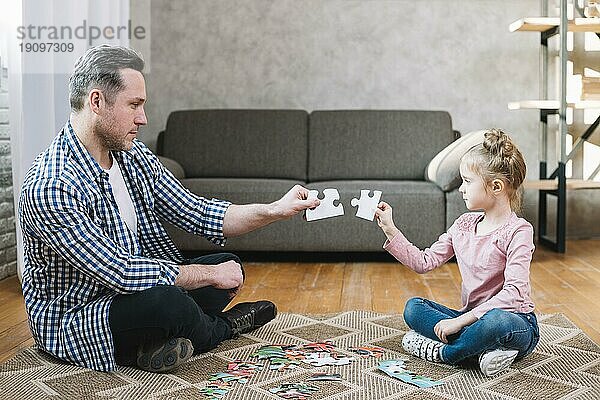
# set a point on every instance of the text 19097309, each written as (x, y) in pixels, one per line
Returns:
(46, 47)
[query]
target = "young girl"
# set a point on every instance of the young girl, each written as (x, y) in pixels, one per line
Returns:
(493, 250)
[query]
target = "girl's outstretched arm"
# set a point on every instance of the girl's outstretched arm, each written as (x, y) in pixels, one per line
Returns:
(420, 261)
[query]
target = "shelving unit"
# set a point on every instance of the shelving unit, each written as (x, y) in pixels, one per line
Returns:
(544, 24)
(555, 183)
(551, 104)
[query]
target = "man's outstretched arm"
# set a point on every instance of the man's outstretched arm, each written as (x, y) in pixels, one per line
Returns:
(240, 219)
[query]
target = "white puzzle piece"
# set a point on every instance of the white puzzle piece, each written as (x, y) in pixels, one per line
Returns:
(326, 209)
(367, 205)
(322, 359)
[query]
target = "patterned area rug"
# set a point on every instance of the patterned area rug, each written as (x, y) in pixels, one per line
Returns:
(565, 365)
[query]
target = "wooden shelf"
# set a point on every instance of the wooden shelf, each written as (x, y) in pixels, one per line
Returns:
(543, 24)
(572, 184)
(551, 104)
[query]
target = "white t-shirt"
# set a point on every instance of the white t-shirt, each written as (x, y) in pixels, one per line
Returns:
(122, 197)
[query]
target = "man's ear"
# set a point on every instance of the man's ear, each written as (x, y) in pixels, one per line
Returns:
(96, 100)
(497, 186)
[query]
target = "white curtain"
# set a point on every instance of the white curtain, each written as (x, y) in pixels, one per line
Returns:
(38, 82)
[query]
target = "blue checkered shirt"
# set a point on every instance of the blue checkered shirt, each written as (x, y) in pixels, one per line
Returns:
(79, 253)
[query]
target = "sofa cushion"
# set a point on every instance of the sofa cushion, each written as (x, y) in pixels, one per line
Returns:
(238, 143)
(240, 191)
(371, 144)
(444, 168)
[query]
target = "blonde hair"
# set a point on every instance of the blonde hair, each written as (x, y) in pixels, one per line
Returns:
(499, 158)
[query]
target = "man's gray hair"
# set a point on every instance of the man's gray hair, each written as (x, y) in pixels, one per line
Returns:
(99, 68)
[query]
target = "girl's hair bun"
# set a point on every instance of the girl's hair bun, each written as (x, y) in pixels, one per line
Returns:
(498, 143)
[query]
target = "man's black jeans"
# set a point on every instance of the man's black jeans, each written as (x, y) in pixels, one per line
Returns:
(155, 315)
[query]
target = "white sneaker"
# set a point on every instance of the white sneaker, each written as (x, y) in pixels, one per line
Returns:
(494, 361)
(420, 346)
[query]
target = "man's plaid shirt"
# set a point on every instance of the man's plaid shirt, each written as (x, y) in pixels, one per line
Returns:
(79, 253)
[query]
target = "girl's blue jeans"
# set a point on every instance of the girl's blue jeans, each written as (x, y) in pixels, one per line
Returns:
(494, 330)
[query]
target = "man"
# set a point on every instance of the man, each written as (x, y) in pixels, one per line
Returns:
(103, 282)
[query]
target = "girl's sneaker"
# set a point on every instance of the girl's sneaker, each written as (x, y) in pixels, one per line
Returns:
(422, 347)
(494, 361)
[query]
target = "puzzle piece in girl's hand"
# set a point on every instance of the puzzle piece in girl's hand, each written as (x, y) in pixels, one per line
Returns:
(326, 209)
(367, 205)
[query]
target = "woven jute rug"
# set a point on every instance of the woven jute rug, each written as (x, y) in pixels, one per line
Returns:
(565, 365)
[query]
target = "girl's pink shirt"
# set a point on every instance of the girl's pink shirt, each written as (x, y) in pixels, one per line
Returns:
(494, 267)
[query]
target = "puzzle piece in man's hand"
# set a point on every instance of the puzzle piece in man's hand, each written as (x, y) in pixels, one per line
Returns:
(367, 205)
(326, 209)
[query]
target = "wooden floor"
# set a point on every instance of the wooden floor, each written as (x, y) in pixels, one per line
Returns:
(567, 283)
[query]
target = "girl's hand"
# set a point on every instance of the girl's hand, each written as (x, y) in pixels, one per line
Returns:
(383, 214)
(447, 327)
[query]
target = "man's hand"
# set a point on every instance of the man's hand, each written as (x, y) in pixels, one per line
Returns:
(227, 275)
(293, 202)
(447, 327)
(383, 214)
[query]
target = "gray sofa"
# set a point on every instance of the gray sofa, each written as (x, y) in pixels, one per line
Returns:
(248, 156)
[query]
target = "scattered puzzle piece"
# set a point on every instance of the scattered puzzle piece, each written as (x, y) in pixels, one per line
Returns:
(324, 358)
(227, 377)
(326, 209)
(319, 346)
(268, 352)
(244, 367)
(214, 392)
(395, 369)
(220, 383)
(280, 359)
(325, 377)
(281, 364)
(299, 390)
(368, 351)
(367, 205)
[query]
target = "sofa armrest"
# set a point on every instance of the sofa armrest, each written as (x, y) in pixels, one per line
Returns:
(173, 166)
(444, 168)
(160, 143)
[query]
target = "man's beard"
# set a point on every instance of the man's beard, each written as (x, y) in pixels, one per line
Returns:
(108, 137)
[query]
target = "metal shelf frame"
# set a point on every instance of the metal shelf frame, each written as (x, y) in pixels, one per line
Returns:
(557, 244)
(554, 183)
(559, 173)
